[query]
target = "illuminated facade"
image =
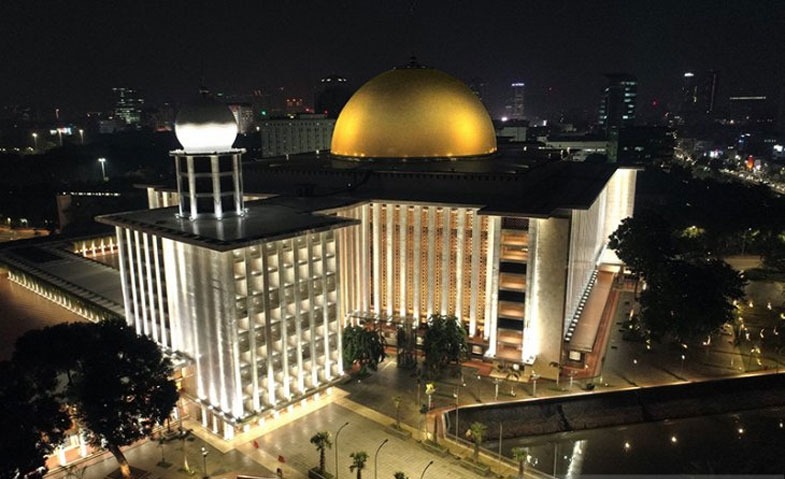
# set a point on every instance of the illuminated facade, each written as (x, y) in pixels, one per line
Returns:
(248, 293)
(254, 283)
(305, 132)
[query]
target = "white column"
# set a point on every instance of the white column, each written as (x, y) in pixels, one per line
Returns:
(150, 329)
(217, 206)
(446, 254)
(141, 310)
(159, 274)
(492, 283)
(431, 258)
(475, 286)
(364, 248)
(191, 185)
(377, 262)
(388, 249)
(122, 249)
(460, 238)
(402, 237)
(416, 260)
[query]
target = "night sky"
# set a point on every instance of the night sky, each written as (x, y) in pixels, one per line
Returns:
(69, 54)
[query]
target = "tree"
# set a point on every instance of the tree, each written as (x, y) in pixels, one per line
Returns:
(643, 242)
(477, 432)
(364, 347)
(690, 299)
(358, 462)
(32, 422)
(119, 383)
(444, 343)
(520, 455)
(321, 440)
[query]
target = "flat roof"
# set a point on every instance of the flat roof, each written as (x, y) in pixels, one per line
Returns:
(51, 261)
(265, 220)
(496, 186)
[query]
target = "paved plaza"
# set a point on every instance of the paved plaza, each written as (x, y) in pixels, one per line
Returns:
(367, 405)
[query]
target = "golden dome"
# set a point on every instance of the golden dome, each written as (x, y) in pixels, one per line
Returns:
(413, 112)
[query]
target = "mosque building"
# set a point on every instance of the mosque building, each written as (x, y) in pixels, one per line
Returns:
(251, 270)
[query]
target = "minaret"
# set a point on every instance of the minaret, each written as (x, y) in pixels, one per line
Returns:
(208, 169)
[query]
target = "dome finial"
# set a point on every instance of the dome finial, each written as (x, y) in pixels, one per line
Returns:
(413, 63)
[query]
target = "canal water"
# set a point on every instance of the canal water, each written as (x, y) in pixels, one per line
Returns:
(22, 310)
(751, 442)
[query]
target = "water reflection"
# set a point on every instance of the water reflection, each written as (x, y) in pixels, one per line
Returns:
(739, 443)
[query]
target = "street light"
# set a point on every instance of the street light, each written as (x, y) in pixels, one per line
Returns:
(204, 462)
(336, 447)
(35, 141)
(375, 459)
(81, 135)
(426, 468)
(102, 161)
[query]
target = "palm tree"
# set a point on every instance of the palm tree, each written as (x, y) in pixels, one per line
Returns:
(400, 475)
(358, 462)
(477, 431)
(322, 442)
(520, 454)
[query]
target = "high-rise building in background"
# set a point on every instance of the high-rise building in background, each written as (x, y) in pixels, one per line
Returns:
(617, 107)
(516, 111)
(698, 96)
(128, 106)
(334, 92)
(243, 115)
(477, 85)
(750, 109)
(289, 136)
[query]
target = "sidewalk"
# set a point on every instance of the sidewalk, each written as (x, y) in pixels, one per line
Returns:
(367, 404)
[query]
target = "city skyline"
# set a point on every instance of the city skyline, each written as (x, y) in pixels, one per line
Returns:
(70, 55)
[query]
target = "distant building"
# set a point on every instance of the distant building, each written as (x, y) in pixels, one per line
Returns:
(160, 118)
(128, 106)
(333, 94)
(303, 133)
(243, 115)
(578, 147)
(750, 109)
(641, 145)
(516, 110)
(617, 107)
(295, 105)
(698, 96)
(477, 86)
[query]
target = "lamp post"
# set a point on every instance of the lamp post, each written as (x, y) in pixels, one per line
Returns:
(35, 141)
(457, 406)
(81, 136)
(102, 161)
(204, 462)
(375, 459)
(426, 468)
(336, 447)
